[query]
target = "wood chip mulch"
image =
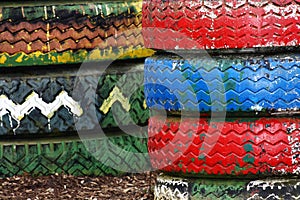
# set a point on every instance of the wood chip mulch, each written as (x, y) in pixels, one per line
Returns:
(132, 186)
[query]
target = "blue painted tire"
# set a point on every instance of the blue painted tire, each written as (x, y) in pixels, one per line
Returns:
(223, 83)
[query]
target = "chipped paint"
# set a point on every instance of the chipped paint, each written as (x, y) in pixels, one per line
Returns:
(81, 8)
(3, 59)
(242, 94)
(226, 189)
(269, 183)
(19, 59)
(29, 46)
(248, 21)
(18, 111)
(52, 13)
(47, 29)
(249, 159)
(62, 81)
(173, 188)
(248, 147)
(144, 104)
(241, 150)
(295, 149)
(256, 108)
(115, 96)
(66, 57)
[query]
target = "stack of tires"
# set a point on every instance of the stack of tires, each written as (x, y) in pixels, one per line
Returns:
(224, 90)
(70, 71)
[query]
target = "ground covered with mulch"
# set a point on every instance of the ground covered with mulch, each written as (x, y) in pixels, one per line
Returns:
(131, 186)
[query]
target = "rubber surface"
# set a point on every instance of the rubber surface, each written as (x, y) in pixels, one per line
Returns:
(70, 156)
(236, 147)
(42, 102)
(183, 189)
(218, 24)
(54, 32)
(228, 83)
(71, 57)
(62, 10)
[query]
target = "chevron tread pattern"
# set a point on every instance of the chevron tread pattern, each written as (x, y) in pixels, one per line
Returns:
(223, 83)
(218, 24)
(180, 189)
(239, 147)
(80, 34)
(67, 33)
(27, 115)
(69, 156)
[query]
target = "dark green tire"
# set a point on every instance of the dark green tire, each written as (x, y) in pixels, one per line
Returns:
(72, 156)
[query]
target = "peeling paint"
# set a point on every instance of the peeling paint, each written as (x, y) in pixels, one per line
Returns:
(115, 96)
(226, 189)
(67, 57)
(176, 189)
(248, 147)
(256, 108)
(3, 59)
(18, 111)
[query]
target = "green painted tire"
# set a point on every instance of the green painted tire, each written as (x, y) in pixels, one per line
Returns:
(43, 101)
(176, 188)
(70, 156)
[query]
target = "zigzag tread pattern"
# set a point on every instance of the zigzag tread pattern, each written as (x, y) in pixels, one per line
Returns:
(239, 147)
(189, 188)
(69, 156)
(219, 24)
(46, 104)
(27, 37)
(223, 83)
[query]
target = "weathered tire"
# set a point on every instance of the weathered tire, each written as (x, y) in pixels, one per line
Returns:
(43, 101)
(41, 34)
(236, 147)
(70, 156)
(218, 24)
(228, 83)
(175, 188)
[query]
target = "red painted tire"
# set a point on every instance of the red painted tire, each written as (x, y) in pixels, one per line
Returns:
(242, 147)
(218, 24)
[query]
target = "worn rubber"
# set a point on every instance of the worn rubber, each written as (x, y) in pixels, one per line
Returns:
(28, 37)
(169, 187)
(55, 31)
(42, 102)
(71, 57)
(237, 147)
(62, 10)
(220, 25)
(229, 83)
(70, 156)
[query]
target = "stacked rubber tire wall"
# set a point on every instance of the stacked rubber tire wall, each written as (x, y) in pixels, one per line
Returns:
(70, 70)
(224, 90)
